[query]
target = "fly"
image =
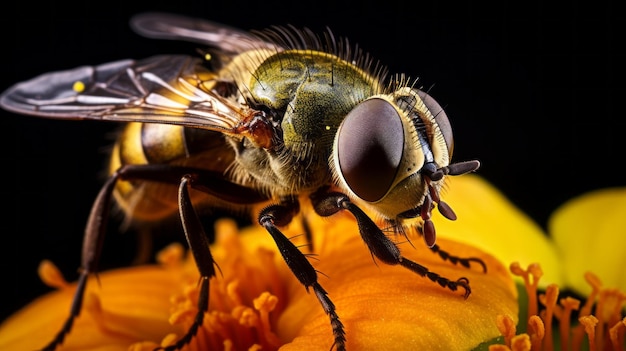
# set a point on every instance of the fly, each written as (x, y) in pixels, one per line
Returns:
(274, 116)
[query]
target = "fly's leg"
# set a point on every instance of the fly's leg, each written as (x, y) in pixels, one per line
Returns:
(308, 234)
(444, 255)
(92, 247)
(199, 246)
(463, 261)
(207, 181)
(329, 203)
(279, 215)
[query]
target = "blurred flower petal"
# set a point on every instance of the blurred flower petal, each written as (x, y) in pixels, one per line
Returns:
(590, 233)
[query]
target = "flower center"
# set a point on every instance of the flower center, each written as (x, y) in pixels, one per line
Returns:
(246, 298)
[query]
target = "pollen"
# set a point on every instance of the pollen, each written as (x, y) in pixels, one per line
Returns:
(604, 329)
(78, 86)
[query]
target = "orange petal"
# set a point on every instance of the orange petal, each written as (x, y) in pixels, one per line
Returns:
(112, 315)
(382, 307)
(390, 308)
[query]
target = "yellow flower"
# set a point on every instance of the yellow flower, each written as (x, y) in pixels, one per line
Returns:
(590, 232)
(489, 221)
(256, 302)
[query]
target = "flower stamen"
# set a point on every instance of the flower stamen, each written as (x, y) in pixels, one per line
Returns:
(536, 331)
(531, 277)
(617, 334)
(609, 326)
(521, 343)
(50, 275)
(589, 323)
(265, 304)
(506, 326)
(564, 314)
(549, 300)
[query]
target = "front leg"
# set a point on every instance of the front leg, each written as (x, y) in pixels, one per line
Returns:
(280, 215)
(328, 203)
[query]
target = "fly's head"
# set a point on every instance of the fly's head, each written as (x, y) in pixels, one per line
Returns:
(392, 153)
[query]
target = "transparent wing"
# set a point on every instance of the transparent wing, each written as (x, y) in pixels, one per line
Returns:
(161, 89)
(175, 27)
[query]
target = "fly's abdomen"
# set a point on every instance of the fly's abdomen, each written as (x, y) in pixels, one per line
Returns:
(142, 144)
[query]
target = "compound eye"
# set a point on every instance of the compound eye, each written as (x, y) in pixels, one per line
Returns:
(369, 148)
(440, 117)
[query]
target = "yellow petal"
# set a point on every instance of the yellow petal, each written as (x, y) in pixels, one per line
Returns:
(489, 221)
(590, 232)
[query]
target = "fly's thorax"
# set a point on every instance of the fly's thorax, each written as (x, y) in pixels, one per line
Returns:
(310, 92)
(241, 68)
(307, 93)
(382, 146)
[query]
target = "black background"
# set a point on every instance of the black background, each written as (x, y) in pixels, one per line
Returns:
(534, 91)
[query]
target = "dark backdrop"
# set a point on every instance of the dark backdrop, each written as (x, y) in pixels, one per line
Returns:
(533, 91)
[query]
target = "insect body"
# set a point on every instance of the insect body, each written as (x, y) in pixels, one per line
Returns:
(272, 116)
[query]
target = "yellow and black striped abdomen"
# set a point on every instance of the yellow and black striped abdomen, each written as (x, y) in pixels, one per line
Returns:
(143, 144)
